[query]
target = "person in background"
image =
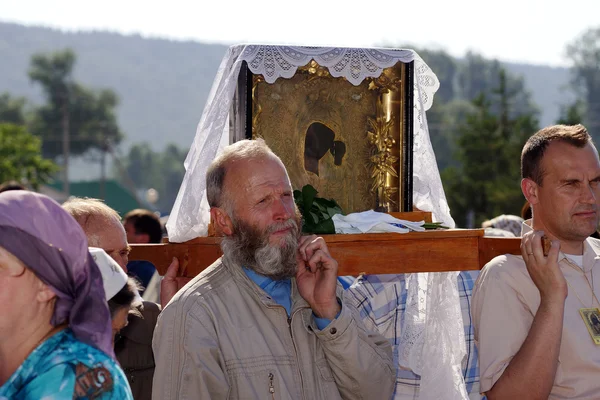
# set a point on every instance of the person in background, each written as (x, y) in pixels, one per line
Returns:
(11, 185)
(121, 290)
(526, 211)
(506, 223)
(143, 226)
(55, 325)
(133, 346)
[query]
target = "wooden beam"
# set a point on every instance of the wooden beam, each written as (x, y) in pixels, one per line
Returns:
(194, 255)
(373, 253)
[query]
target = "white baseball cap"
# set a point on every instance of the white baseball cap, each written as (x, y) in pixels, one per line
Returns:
(113, 276)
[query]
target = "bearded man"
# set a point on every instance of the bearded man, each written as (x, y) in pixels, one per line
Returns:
(268, 319)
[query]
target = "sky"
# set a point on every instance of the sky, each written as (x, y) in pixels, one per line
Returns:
(532, 31)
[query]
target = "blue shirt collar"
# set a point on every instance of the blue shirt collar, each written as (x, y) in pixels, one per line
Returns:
(261, 280)
(280, 291)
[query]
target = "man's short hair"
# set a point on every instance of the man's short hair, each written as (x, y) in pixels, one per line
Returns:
(215, 176)
(536, 145)
(145, 221)
(85, 209)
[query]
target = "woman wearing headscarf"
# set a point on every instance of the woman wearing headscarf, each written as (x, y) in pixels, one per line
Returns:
(55, 324)
(120, 290)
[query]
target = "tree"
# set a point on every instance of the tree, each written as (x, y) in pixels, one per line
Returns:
(21, 158)
(162, 171)
(572, 114)
(75, 119)
(584, 52)
(461, 82)
(443, 121)
(12, 109)
(445, 68)
(486, 181)
(478, 75)
(92, 122)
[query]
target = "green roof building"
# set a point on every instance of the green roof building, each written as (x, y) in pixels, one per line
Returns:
(115, 195)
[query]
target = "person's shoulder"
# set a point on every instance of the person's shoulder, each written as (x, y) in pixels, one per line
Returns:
(210, 280)
(595, 244)
(141, 324)
(106, 377)
(76, 370)
(204, 287)
(150, 310)
(503, 265)
(80, 381)
(504, 269)
(73, 352)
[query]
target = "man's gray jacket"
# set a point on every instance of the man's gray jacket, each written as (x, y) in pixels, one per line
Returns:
(222, 337)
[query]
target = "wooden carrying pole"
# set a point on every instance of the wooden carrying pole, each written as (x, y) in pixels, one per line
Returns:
(374, 253)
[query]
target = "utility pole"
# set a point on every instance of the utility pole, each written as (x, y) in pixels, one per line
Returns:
(65, 141)
(103, 150)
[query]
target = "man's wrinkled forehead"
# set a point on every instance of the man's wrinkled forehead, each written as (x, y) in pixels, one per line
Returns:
(244, 174)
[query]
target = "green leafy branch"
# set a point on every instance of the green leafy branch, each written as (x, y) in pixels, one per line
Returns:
(316, 211)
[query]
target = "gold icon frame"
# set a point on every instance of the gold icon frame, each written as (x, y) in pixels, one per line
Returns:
(371, 124)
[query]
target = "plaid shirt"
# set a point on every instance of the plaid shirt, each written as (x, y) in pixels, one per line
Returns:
(381, 300)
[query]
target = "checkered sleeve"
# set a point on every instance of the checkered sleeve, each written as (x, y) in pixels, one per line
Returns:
(381, 301)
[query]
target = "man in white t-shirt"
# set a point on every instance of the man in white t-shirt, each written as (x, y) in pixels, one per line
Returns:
(534, 314)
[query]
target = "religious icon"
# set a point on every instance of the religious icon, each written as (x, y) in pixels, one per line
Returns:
(320, 140)
(351, 143)
(591, 317)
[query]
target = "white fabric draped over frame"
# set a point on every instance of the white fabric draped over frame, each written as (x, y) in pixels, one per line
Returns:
(432, 337)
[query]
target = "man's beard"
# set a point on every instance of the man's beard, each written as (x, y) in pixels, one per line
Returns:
(251, 248)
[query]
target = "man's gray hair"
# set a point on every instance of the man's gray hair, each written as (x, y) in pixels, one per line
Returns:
(84, 210)
(215, 176)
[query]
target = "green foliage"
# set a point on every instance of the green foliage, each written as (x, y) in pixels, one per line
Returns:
(573, 114)
(446, 69)
(90, 114)
(477, 134)
(12, 109)
(461, 82)
(584, 53)
(54, 72)
(486, 180)
(316, 211)
(20, 157)
(443, 120)
(162, 171)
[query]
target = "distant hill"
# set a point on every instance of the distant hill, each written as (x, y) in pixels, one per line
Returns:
(548, 86)
(163, 84)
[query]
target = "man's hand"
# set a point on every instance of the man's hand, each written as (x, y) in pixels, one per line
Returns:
(544, 271)
(317, 276)
(171, 283)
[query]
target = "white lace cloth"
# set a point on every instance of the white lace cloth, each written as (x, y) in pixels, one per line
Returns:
(431, 345)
